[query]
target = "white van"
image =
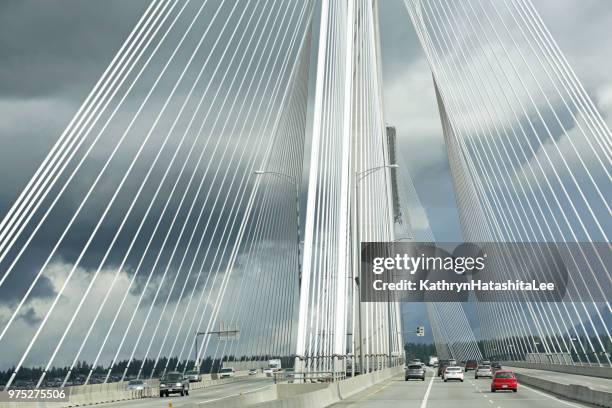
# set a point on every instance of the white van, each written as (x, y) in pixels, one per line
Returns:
(227, 372)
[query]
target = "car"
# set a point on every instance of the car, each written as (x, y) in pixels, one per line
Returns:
(471, 365)
(173, 383)
(495, 366)
(504, 380)
(442, 366)
(253, 371)
(193, 376)
(416, 371)
(483, 371)
(227, 372)
(453, 373)
(270, 371)
(134, 385)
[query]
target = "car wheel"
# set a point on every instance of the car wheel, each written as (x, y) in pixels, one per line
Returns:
(461, 380)
(161, 394)
(445, 380)
(514, 390)
(492, 389)
(406, 379)
(476, 377)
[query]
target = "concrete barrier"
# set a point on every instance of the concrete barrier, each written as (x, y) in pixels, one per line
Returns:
(303, 395)
(591, 371)
(334, 392)
(83, 395)
(92, 394)
(574, 392)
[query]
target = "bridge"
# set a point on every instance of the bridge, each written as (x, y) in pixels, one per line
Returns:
(219, 197)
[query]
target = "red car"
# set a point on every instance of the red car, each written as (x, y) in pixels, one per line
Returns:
(504, 380)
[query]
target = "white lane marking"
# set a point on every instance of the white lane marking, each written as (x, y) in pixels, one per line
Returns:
(372, 393)
(551, 397)
(426, 396)
(235, 395)
(357, 401)
(490, 401)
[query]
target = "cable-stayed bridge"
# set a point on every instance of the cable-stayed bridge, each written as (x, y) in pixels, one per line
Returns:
(173, 226)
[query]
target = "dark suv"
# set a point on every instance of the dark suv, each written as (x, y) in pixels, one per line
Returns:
(442, 366)
(471, 365)
(173, 383)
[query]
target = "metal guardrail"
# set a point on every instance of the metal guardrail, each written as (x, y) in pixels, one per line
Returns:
(308, 377)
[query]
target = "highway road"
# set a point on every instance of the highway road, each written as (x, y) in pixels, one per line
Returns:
(213, 393)
(435, 393)
(602, 384)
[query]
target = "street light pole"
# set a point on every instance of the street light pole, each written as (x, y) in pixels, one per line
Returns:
(219, 332)
(399, 347)
(356, 254)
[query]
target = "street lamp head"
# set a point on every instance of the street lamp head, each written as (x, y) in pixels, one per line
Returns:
(259, 172)
(393, 166)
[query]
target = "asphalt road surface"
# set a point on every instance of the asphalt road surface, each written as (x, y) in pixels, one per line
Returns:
(435, 393)
(212, 393)
(601, 384)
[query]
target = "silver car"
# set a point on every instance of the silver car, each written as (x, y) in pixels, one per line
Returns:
(227, 372)
(416, 371)
(136, 385)
(193, 376)
(483, 371)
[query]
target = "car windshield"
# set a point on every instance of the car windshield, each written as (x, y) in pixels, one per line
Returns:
(484, 367)
(415, 367)
(226, 370)
(454, 369)
(172, 377)
(192, 373)
(504, 375)
(135, 382)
